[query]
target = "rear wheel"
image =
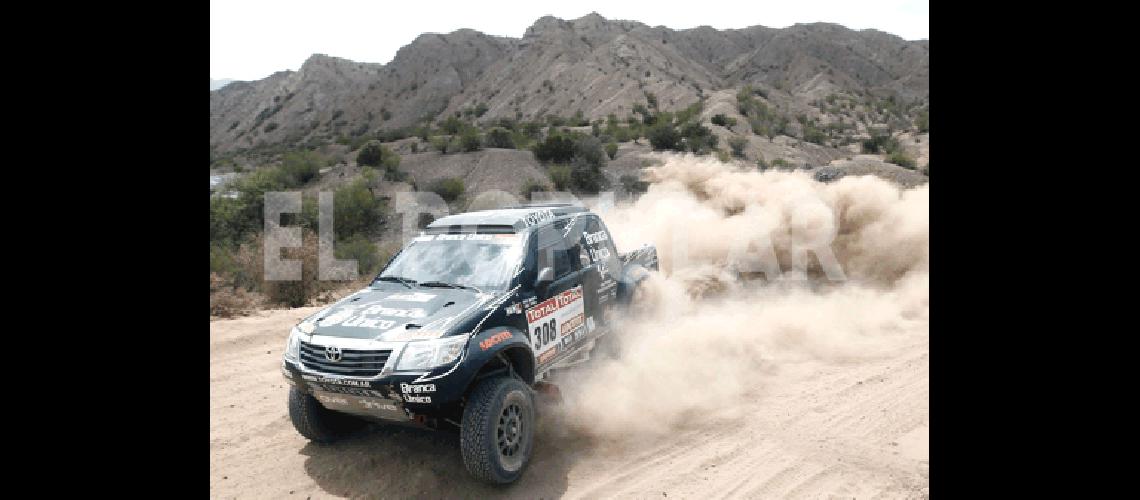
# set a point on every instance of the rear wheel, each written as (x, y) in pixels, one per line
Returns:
(316, 422)
(497, 435)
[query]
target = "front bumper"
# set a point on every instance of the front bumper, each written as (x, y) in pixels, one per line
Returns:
(392, 397)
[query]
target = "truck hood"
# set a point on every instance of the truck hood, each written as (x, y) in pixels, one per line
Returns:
(398, 315)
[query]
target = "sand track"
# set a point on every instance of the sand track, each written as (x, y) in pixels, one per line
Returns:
(854, 429)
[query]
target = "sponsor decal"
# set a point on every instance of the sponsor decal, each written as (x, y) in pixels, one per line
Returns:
(417, 399)
(412, 297)
(337, 381)
(530, 301)
(376, 405)
(569, 326)
(544, 318)
(463, 237)
(379, 310)
(416, 388)
(327, 399)
(515, 308)
(497, 338)
(538, 217)
(415, 334)
(595, 238)
(548, 355)
(590, 324)
(554, 304)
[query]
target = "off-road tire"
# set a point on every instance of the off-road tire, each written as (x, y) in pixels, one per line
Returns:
(317, 423)
(481, 441)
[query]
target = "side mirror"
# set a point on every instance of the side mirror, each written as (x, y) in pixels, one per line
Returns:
(545, 277)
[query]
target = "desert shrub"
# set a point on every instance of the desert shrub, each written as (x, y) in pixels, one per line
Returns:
(698, 138)
(781, 163)
(723, 156)
(923, 121)
(227, 301)
(611, 150)
(450, 188)
(560, 176)
(556, 148)
(813, 134)
(364, 252)
(532, 186)
(445, 144)
(375, 154)
(451, 125)
(631, 183)
(297, 293)
(663, 136)
(356, 210)
(737, 144)
(901, 159)
(469, 140)
(297, 169)
(722, 120)
(588, 151)
(499, 137)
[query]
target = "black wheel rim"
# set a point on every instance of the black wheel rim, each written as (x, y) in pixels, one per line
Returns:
(510, 436)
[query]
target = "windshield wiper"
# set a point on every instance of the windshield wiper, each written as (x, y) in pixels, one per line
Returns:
(449, 285)
(404, 281)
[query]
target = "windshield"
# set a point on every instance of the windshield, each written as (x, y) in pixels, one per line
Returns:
(484, 261)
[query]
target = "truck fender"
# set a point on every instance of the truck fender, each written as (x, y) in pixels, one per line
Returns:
(513, 343)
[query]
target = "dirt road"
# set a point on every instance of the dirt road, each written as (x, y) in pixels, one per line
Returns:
(847, 429)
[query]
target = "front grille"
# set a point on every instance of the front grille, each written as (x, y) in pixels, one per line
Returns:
(354, 362)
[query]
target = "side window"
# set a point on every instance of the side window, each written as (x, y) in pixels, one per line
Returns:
(562, 264)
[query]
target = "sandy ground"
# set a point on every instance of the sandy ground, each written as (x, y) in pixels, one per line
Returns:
(855, 429)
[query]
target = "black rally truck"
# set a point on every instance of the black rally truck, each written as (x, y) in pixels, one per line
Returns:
(460, 328)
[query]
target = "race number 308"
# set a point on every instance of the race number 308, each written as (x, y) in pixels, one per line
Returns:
(545, 333)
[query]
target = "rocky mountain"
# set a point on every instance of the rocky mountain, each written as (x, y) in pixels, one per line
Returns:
(217, 84)
(589, 65)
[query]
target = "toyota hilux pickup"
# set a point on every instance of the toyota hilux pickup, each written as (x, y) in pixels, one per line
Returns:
(462, 327)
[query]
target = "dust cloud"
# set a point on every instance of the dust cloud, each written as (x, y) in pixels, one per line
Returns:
(745, 290)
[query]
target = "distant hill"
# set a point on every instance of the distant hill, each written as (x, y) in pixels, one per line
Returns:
(217, 84)
(592, 66)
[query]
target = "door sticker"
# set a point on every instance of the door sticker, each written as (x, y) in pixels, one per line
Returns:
(558, 316)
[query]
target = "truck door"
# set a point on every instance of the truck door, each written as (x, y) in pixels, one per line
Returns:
(557, 322)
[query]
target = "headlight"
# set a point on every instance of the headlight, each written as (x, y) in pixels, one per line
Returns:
(293, 345)
(425, 354)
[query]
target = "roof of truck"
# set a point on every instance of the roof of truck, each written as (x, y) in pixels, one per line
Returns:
(511, 219)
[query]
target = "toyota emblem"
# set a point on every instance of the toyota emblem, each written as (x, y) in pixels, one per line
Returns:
(332, 353)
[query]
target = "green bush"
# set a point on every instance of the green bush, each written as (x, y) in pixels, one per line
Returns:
(364, 252)
(499, 137)
(723, 156)
(451, 125)
(297, 169)
(375, 154)
(663, 136)
(532, 186)
(356, 209)
(698, 138)
(445, 144)
(470, 141)
(722, 120)
(633, 184)
(901, 159)
(560, 176)
(781, 163)
(737, 144)
(556, 148)
(611, 150)
(923, 121)
(450, 188)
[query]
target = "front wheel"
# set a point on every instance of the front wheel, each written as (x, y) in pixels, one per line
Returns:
(497, 435)
(316, 422)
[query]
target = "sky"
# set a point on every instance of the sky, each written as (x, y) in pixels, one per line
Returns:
(251, 39)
